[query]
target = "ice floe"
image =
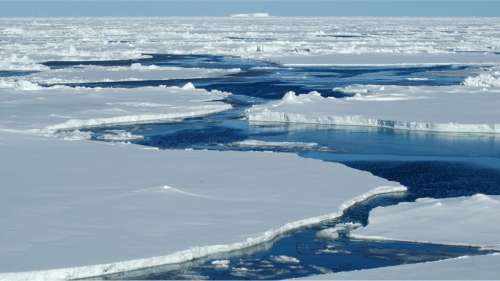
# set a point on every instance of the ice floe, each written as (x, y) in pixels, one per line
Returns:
(49, 110)
(86, 74)
(464, 220)
(460, 108)
(463, 268)
(91, 205)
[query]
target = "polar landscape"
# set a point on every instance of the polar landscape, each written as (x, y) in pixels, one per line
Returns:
(249, 147)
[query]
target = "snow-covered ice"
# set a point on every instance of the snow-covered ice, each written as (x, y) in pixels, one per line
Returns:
(388, 59)
(464, 220)
(487, 79)
(47, 110)
(28, 42)
(135, 72)
(463, 268)
(89, 203)
(462, 108)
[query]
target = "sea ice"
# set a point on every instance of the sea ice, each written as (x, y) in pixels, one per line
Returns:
(49, 110)
(100, 207)
(463, 268)
(463, 220)
(86, 74)
(424, 108)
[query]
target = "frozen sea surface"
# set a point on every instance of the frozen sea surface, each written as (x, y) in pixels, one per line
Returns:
(429, 164)
(43, 56)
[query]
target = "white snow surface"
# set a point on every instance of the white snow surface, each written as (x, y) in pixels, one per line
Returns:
(136, 72)
(101, 208)
(464, 220)
(26, 42)
(48, 110)
(487, 79)
(459, 108)
(463, 268)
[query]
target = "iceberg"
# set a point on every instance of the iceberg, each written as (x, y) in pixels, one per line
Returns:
(252, 15)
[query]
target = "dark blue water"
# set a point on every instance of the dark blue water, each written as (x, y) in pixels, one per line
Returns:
(429, 164)
(11, 73)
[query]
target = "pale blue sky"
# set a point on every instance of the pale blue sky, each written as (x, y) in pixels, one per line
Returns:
(226, 7)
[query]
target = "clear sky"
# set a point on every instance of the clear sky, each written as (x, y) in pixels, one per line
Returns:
(16, 8)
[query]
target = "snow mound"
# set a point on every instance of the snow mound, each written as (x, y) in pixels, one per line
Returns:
(490, 79)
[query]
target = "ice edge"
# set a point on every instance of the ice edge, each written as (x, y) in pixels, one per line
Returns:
(265, 115)
(193, 253)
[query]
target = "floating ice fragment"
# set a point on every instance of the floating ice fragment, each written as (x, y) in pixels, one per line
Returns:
(285, 259)
(221, 264)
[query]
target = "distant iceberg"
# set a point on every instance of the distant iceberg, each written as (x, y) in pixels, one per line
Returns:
(251, 15)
